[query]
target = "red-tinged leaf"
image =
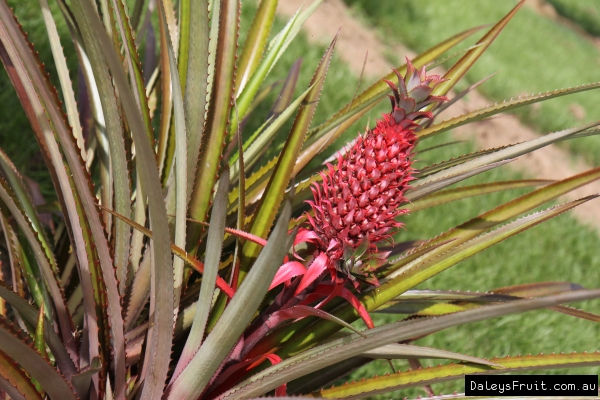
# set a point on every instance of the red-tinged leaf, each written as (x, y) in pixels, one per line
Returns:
(338, 350)
(301, 311)
(191, 260)
(29, 314)
(158, 345)
(198, 374)
(296, 312)
(217, 118)
(235, 372)
(288, 271)
(350, 298)
(316, 268)
(236, 232)
(17, 345)
(199, 266)
(305, 235)
(14, 381)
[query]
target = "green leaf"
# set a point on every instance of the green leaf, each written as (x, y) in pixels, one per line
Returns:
(404, 351)
(264, 136)
(255, 80)
(194, 378)
(516, 207)
(438, 198)
(443, 180)
(507, 153)
(181, 166)
(212, 258)
(442, 373)
(255, 43)
(30, 315)
(271, 199)
(488, 111)
(218, 115)
(196, 81)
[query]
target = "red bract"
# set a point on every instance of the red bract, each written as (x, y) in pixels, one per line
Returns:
(356, 203)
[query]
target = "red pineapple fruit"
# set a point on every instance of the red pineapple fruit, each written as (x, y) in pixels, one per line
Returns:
(358, 200)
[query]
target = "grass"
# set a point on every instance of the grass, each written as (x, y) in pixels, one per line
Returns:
(585, 13)
(561, 249)
(532, 54)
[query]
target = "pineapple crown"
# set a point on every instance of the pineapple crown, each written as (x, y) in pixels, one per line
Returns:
(356, 203)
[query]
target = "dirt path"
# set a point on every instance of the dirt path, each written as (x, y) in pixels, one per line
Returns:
(354, 40)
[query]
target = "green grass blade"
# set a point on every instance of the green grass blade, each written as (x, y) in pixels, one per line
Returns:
(511, 104)
(442, 373)
(458, 70)
(446, 196)
(236, 316)
(256, 41)
(212, 258)
(271, 199)
(345, 348)
(218, 115)
(18, 347)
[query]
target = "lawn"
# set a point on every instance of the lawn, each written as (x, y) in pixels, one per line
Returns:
(560, 249)
(585, 13)
(534, 54)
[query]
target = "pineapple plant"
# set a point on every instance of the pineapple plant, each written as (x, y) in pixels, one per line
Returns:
(183, 266)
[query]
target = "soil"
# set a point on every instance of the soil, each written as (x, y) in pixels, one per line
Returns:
(355, 41)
